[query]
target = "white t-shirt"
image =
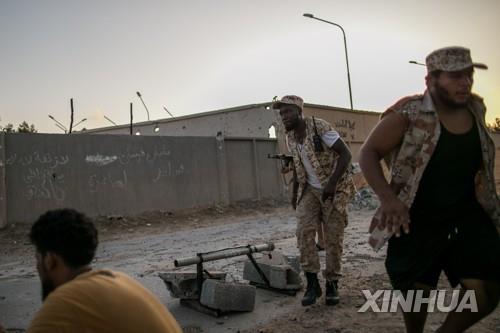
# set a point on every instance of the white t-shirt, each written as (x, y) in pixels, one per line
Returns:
(329, 138)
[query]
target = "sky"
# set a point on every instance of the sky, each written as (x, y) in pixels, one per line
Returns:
(195, 56)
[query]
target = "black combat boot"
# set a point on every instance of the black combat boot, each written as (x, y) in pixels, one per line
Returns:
(332, 294)
(313, 289)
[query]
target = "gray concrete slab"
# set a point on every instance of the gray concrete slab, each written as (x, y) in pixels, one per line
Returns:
(227, 296)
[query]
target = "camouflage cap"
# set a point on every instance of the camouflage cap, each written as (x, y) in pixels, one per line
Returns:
(289, 100)
(451, 59)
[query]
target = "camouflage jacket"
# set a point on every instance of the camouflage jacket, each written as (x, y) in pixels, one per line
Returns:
(324, 163)
(408, 162)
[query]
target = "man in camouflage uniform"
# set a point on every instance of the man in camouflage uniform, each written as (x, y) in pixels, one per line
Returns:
(441, 158)
(321, 160)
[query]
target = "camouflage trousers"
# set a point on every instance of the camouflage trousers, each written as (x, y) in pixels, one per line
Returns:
(311, 211)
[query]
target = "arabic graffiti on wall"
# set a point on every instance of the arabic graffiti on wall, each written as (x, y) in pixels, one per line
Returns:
(346, 128)
(43, 173)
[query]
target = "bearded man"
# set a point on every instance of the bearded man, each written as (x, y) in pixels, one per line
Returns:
(440, 210)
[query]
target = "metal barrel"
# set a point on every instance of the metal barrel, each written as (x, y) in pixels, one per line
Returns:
(223, 254)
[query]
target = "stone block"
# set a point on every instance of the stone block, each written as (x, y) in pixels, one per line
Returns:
(183, 284)
(277, 270)
(227, 296)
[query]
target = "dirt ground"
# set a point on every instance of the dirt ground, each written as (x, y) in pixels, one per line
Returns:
(14, 238)
(344, 318)
(363, 268)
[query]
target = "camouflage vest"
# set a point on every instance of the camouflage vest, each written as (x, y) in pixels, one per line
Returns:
(408, 162)
(323, 163)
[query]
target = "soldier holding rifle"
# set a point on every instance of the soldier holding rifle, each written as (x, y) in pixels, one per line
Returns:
(320, 160)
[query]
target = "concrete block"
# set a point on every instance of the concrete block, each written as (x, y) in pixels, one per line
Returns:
(183, 284)
(227, 296)
(277, 276)
(273, 258)
(277, 270)
(278, 258)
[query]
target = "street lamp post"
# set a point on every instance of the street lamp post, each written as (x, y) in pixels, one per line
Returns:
(111, 121)
(61, 128)
(416, 63)
(171, 115)
(140, 97)
(345, 47)
(58, 124)
(78, 123)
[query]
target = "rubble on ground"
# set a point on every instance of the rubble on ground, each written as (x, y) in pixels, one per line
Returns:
(364, 199)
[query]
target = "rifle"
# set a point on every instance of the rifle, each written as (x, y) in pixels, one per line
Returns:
(318, 147)
(286, 161)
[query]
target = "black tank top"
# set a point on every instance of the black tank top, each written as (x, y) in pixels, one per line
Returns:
(448, 179)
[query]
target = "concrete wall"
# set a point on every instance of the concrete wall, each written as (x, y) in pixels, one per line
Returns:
(117, 174)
